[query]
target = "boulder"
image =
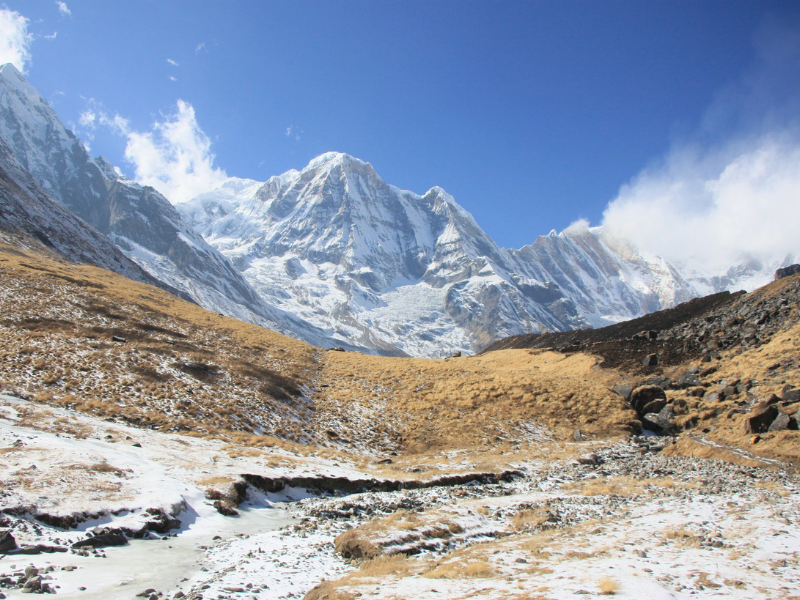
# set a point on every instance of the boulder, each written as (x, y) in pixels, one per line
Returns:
(791, 396)
(687, 379)
(656, 406)
(760, 420)
(7, 542)
(102, 540)
(781, 422)
(661, 422)
(624, 391)
(651, 360)
(662, 382)
(644, 395)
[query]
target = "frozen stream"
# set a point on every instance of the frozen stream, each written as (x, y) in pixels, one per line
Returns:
(161, 564)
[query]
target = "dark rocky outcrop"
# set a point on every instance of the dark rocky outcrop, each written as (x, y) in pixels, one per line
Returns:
(322, 484)
(787, 271)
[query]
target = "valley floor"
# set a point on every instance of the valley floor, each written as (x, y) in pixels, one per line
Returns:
(622, 519)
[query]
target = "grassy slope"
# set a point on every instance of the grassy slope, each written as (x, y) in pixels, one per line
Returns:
(183, 368)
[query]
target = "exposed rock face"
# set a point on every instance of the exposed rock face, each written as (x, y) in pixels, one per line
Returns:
(787, 271)
(139, 220)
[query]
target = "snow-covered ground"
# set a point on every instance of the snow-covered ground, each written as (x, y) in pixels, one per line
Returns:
(625, 519)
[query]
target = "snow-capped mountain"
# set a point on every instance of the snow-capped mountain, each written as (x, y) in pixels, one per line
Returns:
(343, 249)
(331, 254)
(138, 220)
(29, 217)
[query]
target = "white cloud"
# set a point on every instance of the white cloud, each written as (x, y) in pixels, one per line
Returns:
(200, 47)
(171, 78)
(15, 40)
(731, 195)
(716, 208)
(52, 36)
(175, 157)
(63, 9)
(174, 63)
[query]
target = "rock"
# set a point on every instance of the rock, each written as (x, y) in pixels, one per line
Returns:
(31, 571)
(791, 396)
(655, 406)
(761, 420)
(728, 391)
(712, 397)
(116, 338)
(336, 349)
(651, 360)
(178, 595)
(687, 379)
(661, 421)
(102, 541)
(30, 550)
(588, 459)
(783, 422)
(577, 435)
(624, 391)
(33, 583)
(7, 542)
(787, 271)
(146, 593)
(697, 392)
(662, 382)
(224, 508)
(644, 395)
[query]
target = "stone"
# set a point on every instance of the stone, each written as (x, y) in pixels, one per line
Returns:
(577, 435)
(782, 422)
(7, 542)
(791, 396)
(787, 271)
(31, 571)
(651, 360)
(643, 395)
(712, 397)
(761, 420)
(102, 541)
(116, 338)
(146, 593)
(624, 391)
(655, 406)
(687, 379)
(728, 391)
(588, 459)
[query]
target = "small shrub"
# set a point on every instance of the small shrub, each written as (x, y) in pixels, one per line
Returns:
(608, 587)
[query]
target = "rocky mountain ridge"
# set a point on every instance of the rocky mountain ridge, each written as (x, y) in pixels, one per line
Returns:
(416, 274)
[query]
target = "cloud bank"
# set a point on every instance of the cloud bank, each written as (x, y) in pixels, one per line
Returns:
(15, 40)
(731, 195)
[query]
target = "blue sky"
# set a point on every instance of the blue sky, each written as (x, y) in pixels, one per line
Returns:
(532, 114)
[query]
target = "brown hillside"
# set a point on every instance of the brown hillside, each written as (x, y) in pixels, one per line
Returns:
(182, 368)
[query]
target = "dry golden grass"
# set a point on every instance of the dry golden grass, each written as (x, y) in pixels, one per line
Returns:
(608, 586)
(462, 569)
(186, 369)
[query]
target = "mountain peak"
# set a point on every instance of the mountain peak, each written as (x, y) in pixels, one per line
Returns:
(333, 159)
